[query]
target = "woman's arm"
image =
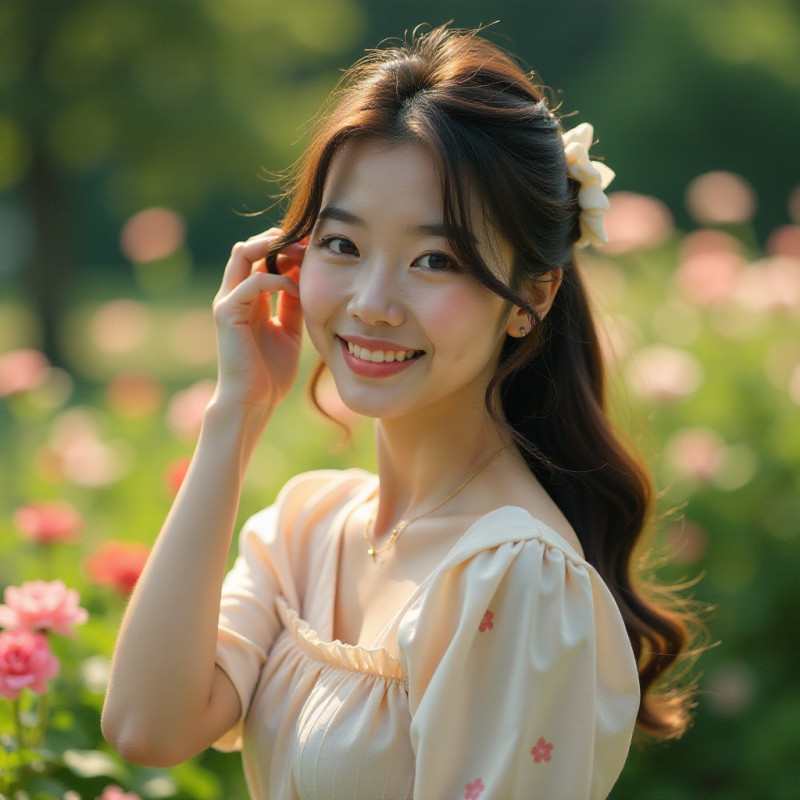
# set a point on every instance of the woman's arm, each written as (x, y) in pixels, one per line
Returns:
(167, 700)
(164, 683)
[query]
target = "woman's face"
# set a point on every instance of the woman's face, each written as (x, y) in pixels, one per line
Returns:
(402, 328)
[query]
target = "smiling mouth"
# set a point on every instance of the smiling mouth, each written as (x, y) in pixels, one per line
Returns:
(382, 356)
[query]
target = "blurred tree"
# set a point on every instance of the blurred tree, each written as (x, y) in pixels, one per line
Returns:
(166, 101)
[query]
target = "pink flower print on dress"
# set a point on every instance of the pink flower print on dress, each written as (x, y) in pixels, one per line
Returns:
(474, 789)
(486, 622)
(542, 750)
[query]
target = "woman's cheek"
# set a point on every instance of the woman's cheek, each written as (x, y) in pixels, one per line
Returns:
(317, 296)
(465, 317)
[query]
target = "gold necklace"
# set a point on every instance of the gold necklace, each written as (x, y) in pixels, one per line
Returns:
(404, 523)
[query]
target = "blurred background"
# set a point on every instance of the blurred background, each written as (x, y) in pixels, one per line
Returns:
(136, 141)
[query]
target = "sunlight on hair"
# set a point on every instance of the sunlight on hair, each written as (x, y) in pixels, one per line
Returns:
(687, 541)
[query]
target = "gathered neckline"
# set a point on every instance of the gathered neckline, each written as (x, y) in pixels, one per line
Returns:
(532, 527)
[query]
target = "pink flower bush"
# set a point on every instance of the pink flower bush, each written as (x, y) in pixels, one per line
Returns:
(25, 660)
(48, 521)
(115, 793)
(118, 564)
(43, 606)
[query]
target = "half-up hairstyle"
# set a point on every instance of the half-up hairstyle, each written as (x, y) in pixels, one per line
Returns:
(493, 134)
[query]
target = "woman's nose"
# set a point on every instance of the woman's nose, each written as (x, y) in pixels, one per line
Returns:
(375, 297)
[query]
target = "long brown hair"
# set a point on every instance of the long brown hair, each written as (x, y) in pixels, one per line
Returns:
(492, 132)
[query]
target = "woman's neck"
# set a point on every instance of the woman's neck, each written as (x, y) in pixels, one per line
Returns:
(424, 458)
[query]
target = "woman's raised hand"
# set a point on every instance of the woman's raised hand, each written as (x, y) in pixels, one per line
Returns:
(258, 352)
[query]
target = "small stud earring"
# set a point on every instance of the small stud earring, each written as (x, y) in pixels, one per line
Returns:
(522, 331)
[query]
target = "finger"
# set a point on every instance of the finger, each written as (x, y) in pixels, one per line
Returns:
(253, 287)
(290, 311)
(291, 256)
(243, 256)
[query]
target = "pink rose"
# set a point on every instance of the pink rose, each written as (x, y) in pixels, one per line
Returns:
(25, 660)
(115, 793)
(48, 521)
(118, 564)
(39, 605)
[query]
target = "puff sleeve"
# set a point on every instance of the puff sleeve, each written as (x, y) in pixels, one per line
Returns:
(522, 680)
(263, 570)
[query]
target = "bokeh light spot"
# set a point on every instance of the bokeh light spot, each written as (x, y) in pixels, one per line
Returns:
(120, 326)
(152, 234)
(720, 198)
(636, 221)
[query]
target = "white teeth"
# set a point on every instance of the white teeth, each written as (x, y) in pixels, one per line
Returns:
(380, 356)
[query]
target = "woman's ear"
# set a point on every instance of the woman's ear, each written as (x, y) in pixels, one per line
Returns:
(542, 293)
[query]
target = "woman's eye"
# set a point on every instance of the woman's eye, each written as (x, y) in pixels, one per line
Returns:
(338, 244)
(436, 262)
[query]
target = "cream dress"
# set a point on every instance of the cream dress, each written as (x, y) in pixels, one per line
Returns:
(507, 674)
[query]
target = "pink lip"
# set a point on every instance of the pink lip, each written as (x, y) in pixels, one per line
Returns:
(376, 344)
(370, 369)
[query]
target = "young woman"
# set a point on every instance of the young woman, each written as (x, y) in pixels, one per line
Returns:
(465, 623)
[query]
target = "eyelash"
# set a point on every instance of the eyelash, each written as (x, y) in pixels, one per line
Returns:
(325, 241)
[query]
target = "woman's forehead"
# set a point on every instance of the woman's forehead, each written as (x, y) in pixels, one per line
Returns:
(374, 176)
(371, 177)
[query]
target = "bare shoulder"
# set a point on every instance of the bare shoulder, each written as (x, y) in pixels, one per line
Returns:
(520, 488)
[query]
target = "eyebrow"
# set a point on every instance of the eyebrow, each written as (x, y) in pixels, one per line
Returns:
(341, 215)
